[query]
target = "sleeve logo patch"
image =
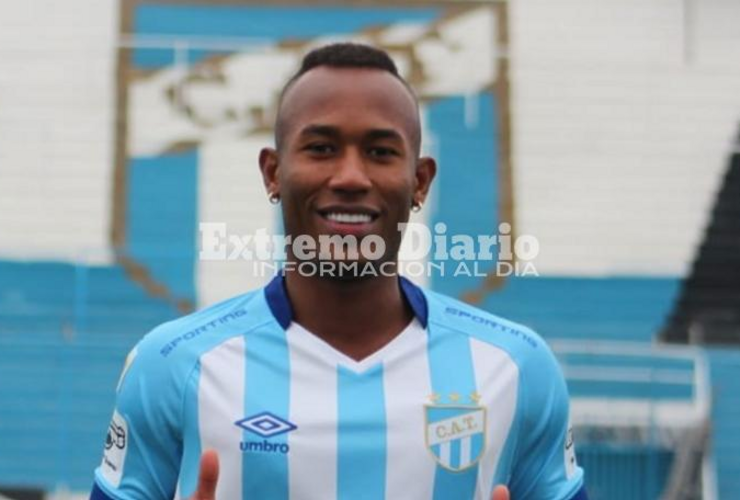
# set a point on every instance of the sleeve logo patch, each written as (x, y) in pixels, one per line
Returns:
(570, 454)
(114, 455)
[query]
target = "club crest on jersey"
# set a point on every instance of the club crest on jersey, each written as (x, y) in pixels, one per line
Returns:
(456, 432)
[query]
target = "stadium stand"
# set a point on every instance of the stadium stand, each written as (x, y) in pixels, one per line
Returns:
(600, 308)
(633, 407)
(708, 308)
(62, 353)
(707, 312)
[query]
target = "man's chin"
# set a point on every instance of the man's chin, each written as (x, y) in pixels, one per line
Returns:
(348, 270)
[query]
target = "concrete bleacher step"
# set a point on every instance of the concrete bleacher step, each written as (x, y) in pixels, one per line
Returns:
(60, 282)
(607, 308)
(59, 414)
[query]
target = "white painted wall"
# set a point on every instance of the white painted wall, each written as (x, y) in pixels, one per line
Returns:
(232, 193)
(57, 63)
(624, 115)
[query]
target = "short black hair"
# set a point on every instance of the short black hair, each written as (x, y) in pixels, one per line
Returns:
(346, 55)
(340, 55)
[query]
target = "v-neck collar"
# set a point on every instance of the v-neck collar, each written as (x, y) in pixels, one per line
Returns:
(312, 343)
(277, 299)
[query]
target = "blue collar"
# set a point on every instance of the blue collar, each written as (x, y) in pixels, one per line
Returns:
(277, 299)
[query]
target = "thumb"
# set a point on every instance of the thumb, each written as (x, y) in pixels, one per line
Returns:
(208, 476)
(500, 493)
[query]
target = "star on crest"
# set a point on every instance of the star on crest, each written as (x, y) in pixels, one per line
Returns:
(454, 398)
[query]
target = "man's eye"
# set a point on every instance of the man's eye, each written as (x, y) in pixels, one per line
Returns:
(320, 148)
(381, 152)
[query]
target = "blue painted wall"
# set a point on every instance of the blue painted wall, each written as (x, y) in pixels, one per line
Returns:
(268, 24)
(466, 194)
(162, 218)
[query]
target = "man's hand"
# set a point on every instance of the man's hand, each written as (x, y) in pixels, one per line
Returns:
(208, 476)
(500, 493)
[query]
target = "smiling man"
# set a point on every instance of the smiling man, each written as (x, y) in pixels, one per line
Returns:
(342, 385)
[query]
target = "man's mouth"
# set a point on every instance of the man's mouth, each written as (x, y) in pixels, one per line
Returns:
(348, 218)
(348, 214)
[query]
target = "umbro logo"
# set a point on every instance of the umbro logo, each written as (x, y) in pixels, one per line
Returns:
(265, 425)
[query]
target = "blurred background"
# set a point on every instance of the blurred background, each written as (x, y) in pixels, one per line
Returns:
(610, 131)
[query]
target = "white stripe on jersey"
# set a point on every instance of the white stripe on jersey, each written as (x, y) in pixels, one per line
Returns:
(313, 407)
(497, 379)
(406, 383)
(465, 451)
(221, 394)
(445, 452)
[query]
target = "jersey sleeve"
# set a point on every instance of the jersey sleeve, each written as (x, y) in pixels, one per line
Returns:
(545, 465)
(143, 448)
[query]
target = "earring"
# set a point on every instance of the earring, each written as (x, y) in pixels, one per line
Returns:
(274, 198)
(416, 206)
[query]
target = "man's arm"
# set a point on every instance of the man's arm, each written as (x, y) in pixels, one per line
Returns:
(142, 452)
(544, 465)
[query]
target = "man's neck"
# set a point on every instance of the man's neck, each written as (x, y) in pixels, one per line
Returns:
(356, 317)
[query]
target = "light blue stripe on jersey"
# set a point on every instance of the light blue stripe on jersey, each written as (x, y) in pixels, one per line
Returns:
(362, 434)
(267, 389)
(502, 475)
(455, 454)
(451, 366)
(192, 448)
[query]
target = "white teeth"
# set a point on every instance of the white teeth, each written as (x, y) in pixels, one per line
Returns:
(348, 218)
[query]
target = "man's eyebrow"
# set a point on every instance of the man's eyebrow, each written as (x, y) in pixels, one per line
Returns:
(334, 132)
(385, 133)
(314, 129)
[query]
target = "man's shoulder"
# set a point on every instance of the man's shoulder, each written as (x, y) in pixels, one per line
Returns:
(197, 332)
(519, 341)
(535, 361)
(169, 355)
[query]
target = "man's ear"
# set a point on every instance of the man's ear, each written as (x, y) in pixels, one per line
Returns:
(269, 169)
(426, 169)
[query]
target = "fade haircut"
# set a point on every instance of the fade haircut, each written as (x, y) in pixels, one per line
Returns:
(343, 55)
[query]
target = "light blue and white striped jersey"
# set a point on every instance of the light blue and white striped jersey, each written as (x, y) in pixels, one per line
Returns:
(457, 403)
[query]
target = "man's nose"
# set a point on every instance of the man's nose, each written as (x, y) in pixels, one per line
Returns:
(351, 173)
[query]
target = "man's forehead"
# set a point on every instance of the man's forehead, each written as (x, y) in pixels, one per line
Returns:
(324, 79)
(323, 90)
